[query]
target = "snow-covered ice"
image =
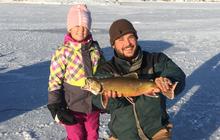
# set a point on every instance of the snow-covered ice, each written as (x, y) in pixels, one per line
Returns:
(189, 33)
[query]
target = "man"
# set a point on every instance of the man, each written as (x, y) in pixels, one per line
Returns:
(142, 117)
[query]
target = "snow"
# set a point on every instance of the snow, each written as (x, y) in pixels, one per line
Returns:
(189, 33)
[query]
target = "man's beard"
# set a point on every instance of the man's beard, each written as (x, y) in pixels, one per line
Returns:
(122, 56)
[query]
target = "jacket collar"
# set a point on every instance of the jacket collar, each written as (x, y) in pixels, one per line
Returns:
(71, 42)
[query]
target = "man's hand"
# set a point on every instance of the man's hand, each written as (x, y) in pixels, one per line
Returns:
(109, 94)
(166, 86)
(112, 94)
(163, 83)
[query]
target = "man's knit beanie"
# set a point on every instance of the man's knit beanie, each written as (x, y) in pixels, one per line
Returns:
(79, 15)
(119, 28)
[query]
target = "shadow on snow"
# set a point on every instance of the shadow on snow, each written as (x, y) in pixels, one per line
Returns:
(23, 90)
(198, 118)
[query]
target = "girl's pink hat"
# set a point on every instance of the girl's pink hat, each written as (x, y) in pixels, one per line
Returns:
(79, 15)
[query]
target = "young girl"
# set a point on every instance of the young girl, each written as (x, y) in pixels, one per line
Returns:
(77, 59)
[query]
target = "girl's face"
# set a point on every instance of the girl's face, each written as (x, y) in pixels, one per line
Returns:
(79, 33)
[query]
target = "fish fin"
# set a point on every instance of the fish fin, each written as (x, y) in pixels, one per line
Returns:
(152, 95)
(115, 75)
(170, 93)
(132, 75)
(104, 101)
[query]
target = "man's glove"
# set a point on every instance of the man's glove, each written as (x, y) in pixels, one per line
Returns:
(61, 114)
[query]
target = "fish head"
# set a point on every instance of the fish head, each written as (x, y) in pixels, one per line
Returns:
(92, 85)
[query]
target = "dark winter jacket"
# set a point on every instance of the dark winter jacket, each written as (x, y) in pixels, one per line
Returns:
(70, 65)
(151, 112)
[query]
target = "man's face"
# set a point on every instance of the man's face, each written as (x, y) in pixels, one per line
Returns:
(126, 45)
(79, 33)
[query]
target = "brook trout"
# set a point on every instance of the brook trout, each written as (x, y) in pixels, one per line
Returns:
(127, 86)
